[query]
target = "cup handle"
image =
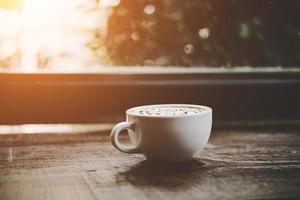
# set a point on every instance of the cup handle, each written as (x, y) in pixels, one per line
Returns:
(114, 137)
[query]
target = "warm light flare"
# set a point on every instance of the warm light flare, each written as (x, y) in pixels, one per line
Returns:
(15, 5)
(109, 3)
(53, 30)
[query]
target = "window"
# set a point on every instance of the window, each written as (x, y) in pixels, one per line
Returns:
(90, 34)
(89, 60)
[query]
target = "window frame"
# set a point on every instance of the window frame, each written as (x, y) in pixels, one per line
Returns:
(242, 94)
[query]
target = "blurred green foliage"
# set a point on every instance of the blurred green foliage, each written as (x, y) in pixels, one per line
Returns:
(205, 33)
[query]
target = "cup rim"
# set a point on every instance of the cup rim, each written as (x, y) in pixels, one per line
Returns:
(207, 110)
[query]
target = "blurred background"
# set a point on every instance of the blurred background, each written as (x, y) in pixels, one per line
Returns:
(79, 35)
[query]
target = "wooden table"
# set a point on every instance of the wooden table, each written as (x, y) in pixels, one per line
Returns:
(257, 164)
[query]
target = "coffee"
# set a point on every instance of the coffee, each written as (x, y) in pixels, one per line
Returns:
(165, 110)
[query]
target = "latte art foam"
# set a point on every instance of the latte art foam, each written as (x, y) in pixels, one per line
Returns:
(167, 111)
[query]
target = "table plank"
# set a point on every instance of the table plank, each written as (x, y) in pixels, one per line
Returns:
(236, 164)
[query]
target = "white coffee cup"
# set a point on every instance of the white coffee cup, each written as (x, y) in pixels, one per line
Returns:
(165, 137)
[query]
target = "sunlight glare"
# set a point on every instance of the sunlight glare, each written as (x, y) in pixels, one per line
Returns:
(39, 18)
(59, 30)
(54, 34)
(109, 3)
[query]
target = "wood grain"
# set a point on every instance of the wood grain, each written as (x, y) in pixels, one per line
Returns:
(235, 165)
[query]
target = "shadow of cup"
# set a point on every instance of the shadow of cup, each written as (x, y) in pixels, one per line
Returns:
(165, 175)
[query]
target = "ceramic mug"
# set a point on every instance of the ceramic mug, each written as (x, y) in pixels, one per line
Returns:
(165, 138)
